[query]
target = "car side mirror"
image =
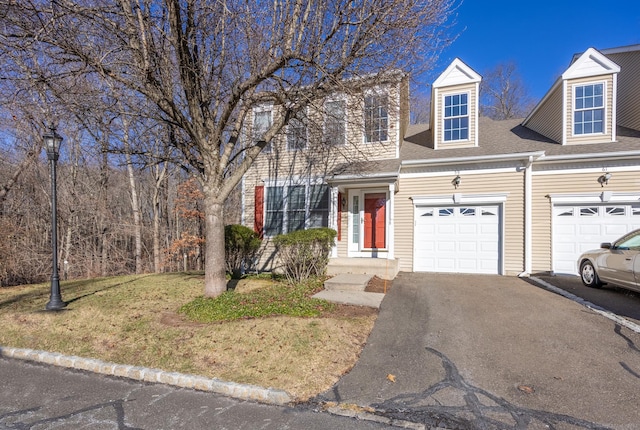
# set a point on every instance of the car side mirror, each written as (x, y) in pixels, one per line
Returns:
(605, 245)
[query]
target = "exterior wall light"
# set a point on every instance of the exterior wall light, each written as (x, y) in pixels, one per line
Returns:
(456, 182)
(604, 179)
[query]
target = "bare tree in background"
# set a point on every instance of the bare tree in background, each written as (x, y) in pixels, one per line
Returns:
(503, 94)
(203, 64)
(420, 108)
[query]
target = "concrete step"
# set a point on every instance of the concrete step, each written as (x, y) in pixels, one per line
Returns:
(380, 267)
(347, 282)
(356, 298)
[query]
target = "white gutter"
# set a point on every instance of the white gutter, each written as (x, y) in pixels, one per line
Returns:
(452, 160)
(591, 155)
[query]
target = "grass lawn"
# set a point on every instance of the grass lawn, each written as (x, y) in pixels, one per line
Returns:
(138, 320)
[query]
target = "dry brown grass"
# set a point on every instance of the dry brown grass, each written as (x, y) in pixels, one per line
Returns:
(133, 320)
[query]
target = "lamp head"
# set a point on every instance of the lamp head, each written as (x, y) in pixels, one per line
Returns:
(52, 141)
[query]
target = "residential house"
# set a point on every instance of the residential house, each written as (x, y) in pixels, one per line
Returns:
(464, 193)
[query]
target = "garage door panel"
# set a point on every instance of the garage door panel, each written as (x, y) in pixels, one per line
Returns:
(470, 229)
(464, 239)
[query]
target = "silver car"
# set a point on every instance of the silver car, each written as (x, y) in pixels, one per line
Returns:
(616, 263)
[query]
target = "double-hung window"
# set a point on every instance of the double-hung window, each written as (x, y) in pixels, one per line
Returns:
(296, 207)
(297, 132)
(261, 124)
(588, 112)
(376, 118)
(335, 122)
(456, 117)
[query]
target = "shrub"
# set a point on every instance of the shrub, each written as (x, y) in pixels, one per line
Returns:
(304, 253)
(241, 246)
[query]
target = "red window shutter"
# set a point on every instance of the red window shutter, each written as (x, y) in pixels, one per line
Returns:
(258, 222)
(339, 216)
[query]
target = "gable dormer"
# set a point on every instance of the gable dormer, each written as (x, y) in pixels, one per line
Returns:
(454, 107)
(581, 105)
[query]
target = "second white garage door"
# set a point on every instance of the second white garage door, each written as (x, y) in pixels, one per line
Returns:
(460, 239)
(579, 228)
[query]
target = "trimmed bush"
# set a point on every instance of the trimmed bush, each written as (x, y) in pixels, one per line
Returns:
(304, 253)
(241, 245)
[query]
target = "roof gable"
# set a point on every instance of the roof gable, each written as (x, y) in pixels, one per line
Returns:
(457, 73)
(590, 63)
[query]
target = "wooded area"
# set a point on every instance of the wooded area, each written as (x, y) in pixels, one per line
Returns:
(166, 85)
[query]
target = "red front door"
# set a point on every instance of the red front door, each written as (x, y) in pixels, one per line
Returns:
(374, 220)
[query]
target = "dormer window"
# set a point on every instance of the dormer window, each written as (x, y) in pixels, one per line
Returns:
(456, 117)
(588, 113)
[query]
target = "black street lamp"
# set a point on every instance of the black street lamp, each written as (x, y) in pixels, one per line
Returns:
(52, 141)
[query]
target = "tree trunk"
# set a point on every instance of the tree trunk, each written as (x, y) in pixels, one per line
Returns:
(135, 206)
(215, 281)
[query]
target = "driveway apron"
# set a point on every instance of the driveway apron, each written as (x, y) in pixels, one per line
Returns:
(494, 352)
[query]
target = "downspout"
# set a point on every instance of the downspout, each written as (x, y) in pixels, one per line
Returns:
(528, 216)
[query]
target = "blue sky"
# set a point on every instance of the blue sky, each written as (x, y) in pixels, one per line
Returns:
(540, 36)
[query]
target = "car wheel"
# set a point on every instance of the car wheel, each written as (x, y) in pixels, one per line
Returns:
(589, 275)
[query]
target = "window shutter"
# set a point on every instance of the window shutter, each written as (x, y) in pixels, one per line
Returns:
(258, 222)
(339, 216)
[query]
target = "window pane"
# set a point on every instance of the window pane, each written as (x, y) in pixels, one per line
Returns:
(589, 109)
(274, 211)
(335, 122)
(319, 206)
(375, 118)
(297, 133)
(456, 122)
(296, 208)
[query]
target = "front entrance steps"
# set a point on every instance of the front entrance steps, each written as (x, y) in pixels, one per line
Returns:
(347, 282)
(381, 267)
(349, 289)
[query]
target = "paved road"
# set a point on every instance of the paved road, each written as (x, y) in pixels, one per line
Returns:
(38, 397)
(491, 352)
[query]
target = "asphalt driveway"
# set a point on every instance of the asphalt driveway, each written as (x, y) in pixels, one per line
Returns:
(494, 352)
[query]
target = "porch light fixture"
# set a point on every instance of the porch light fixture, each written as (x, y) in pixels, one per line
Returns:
(456, 182)
(604, 179)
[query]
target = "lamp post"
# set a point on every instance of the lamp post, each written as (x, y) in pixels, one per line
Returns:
(52, 141)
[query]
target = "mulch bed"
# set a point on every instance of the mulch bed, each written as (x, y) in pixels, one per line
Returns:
(377, 285)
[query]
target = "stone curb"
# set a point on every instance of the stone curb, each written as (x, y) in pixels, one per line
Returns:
(600, 310)
(200, 383)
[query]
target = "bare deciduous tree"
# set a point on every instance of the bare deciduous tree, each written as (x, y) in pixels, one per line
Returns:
(503, 93)
(204, 64)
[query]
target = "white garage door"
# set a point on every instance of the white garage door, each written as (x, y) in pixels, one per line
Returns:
(580, 228)
(461, 239)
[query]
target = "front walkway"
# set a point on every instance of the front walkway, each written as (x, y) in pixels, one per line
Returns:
(493, 352)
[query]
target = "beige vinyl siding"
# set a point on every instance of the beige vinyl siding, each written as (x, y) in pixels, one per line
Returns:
(567, 183)
(608, 111)
(548, 118)
(628, 88)
(473, 126)
(513, 216)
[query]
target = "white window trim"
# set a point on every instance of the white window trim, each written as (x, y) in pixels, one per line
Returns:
(605, 112)
(376, 91)
(306, 131)
(266, 107)
(336, 98)
(444, 118)
(285, 211)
